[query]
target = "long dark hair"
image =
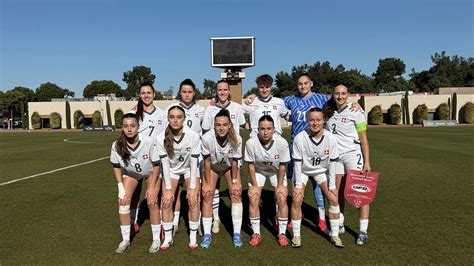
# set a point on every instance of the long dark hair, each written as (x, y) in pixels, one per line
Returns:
(231, 135)
(330, 107)
(140, 103)
(168, 141)
(121, 144)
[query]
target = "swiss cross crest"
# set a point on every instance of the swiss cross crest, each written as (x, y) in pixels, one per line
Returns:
(344, 119)
(159, 122)
(277, 157)
(196, 115)
(326, 152)
(232, 116)
(274, 107)
(188, 149)
(231, 151)
(145, 156)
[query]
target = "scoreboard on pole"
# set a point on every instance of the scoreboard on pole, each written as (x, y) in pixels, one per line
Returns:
(230, 52)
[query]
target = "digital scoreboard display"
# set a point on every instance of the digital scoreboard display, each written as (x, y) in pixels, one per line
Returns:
(233, 51)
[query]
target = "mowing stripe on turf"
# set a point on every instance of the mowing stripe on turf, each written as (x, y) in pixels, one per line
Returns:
(52, 171)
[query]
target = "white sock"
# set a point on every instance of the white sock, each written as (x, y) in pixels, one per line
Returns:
(363, 225)
(206, 224)
(334, 223)
(255, 222)
(296, 227)
(155, 231)
(282, 224)
(341, 219)
(322, 214)
(236, 210)
(176, 218)
(168, 228)
(215, 205)
(125, 229)
(193, 227)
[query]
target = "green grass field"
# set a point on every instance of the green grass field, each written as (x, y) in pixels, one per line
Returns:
(422, 213)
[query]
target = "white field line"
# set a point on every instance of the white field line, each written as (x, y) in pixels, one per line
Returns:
(52, 171)
(74, 141)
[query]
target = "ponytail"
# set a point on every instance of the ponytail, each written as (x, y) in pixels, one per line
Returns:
(329, 108)
(168, 141)
(232, 137)
(140, 109)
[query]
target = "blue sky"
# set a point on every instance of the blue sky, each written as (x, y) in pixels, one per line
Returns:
(72, 42)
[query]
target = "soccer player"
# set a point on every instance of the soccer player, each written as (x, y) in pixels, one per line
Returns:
(135, 157)
(267, 155)
(179, 149)
(152, 122)
(238, 120)
(266, 104)
(221, 151)
(194, 116)
(350, 129)
(315, 152)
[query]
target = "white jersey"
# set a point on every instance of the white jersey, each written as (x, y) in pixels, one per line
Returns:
(153, 123)
(189, 145)
(267, 160)
(142, 158)
(236, 116)
(221, 156)
(315, 156)
(274, 107)
(194, 116)
(345, 124)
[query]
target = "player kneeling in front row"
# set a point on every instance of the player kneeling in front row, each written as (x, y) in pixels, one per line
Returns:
(179, 149)
(138, 157)
(221, 151)
(315, 153)
(267, 155)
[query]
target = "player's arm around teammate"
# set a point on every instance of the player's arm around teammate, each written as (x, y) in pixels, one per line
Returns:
(221, 150)
(267, 155)
(179, 150)
(315, 153)
(136, 155)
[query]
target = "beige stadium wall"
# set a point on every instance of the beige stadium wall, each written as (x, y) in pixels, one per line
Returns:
(88, 108)
(462, 99)
(431, 101)
(44, 109)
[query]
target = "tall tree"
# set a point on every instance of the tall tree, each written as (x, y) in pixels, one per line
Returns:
(209, 88)
(388, 76)
(45, 92)
(11, 100)
(102, 87)
(135, 77)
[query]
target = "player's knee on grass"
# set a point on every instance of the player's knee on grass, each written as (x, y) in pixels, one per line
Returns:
(332, 199)
(281, 199)
(207, 195)
(298, 197)
(235, 196)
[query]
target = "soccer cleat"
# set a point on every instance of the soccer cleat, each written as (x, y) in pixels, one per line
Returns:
(122, 246)
(136, 227)
(215, 226)
(193, 247)
(255, 240)
(155, 246)
(362, 239)
(166, 245)
(282, 240)
(322, 225)
(342, 229)
(296, 242)
(206, 241)
(337, 241)
(237, 240)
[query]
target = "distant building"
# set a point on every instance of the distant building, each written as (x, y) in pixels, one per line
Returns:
(458, 90)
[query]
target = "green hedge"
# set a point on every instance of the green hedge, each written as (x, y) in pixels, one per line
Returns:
(96, 118)
(118, 115)
(68, 115)
(442, 112)
(55, 120)
(395, 114)
(77, 115)
(421, 113)
(376, 115)
(469, 113)
(35, 120)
